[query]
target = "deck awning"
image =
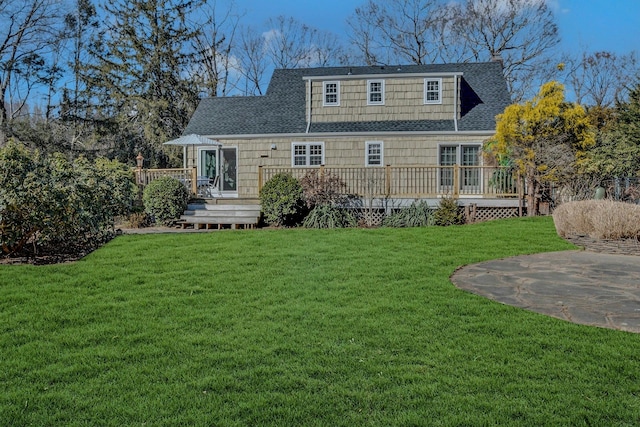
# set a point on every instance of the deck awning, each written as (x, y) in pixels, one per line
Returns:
(192, 139)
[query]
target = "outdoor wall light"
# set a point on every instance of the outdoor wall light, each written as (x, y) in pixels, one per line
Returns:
(274, 147)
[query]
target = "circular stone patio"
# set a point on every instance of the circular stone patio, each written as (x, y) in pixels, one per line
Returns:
(588, 288)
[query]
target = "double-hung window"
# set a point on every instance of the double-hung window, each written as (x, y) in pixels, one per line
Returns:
(331, 94)
(374, 153)
(307, 153)
(432, 91)
(375, 92)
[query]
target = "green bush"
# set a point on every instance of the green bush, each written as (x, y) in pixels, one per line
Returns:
(165, 199)
(448, 213)
(50, 202)
(417, 215)
(329, 216)
(282, 200)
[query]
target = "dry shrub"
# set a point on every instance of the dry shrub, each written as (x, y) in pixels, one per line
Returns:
(323, 189)
(599, 219)
(138, 220)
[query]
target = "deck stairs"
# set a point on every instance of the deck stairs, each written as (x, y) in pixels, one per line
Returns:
(213, 214)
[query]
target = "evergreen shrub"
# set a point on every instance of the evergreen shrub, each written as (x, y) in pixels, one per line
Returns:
(165, 199)
(49, 203)
(448, 213)
(282, 200)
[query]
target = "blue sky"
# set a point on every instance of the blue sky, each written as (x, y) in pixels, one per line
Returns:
(591, 25)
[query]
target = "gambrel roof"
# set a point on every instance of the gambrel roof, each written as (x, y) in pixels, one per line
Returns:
(282, 110)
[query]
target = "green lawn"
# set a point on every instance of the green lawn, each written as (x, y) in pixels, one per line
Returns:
(301, 328)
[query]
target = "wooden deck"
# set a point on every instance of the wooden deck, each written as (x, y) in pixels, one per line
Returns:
(213, 215)
(411, 182)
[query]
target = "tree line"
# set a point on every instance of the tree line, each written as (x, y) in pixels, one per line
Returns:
(123, 77)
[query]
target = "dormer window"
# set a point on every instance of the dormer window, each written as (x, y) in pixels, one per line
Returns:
(375, 92)
(433, 91)
(331, 94)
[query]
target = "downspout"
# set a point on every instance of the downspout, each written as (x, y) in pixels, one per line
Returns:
(309, 107)
(455, 102)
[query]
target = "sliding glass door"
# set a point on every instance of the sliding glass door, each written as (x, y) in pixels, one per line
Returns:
(218, 172)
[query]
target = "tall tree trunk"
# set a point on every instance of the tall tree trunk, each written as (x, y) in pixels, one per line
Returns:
(532, 196)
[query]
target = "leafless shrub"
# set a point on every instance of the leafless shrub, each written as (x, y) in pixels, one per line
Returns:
(323, 189)
(138, 220)
(599, 219)
(581, 187)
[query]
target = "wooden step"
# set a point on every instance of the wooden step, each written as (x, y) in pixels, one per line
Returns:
(193, 219)
(214, 226)
(202, 215)
(223, 208)
(227, 201)
(205, 215)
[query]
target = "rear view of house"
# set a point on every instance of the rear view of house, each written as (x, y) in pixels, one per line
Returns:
(394, 132)
(355, 117)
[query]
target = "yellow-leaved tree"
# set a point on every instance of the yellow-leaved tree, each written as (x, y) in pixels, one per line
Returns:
(544, 138)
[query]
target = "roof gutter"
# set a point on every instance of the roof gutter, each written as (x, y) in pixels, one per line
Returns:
(327, 135)
(309, 108)
(380, 76)
(456, 98)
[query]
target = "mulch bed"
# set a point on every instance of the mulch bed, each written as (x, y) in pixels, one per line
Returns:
(607, 246)
(620, 247)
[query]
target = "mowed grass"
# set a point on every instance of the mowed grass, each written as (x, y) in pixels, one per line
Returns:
(301, 328)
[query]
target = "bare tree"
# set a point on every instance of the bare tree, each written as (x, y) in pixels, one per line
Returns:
(253, 61)
(215, 45)
(285, 43)
(395, 31)
(28, 26)
(289, 43)
(326, 50)
(599, 79)
(521, 33)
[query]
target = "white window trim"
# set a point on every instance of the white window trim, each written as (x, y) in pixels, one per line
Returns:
(431, 79)
(366, 153)
(459, 146)
(382, 89)
(458, 160)
(306, 144)
(324, 94)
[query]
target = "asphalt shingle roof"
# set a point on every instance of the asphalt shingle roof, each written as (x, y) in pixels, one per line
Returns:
(282, 109)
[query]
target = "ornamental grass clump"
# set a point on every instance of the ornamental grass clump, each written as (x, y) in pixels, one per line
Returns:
(329, 216)
(599, 219)
(419, 214)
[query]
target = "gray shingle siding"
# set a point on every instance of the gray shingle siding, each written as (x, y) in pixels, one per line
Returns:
(282, 109)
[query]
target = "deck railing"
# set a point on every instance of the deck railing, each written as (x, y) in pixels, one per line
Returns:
(389, 181)
(413, 181)
(186, 175)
